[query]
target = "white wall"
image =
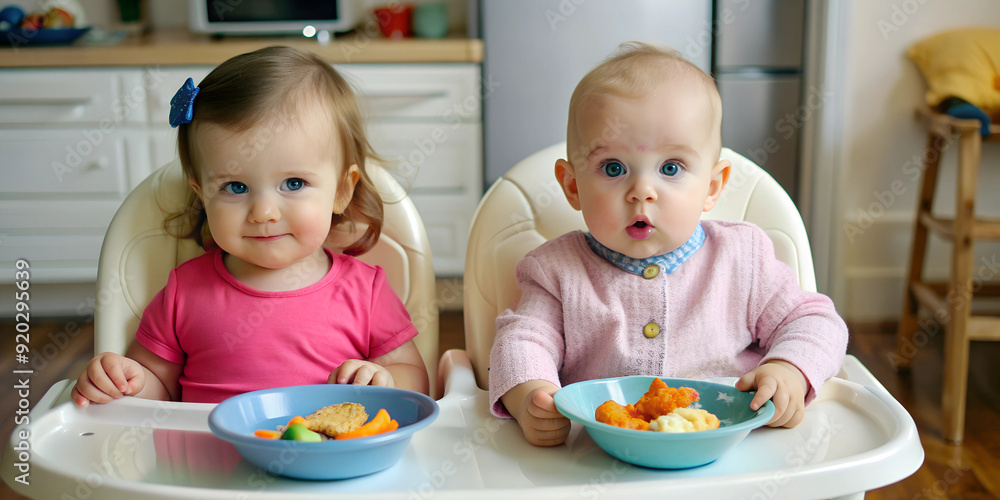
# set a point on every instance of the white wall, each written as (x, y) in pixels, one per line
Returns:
(865, 146)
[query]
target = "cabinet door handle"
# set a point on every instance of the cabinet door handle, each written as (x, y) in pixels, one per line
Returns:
(99, 164)
(416, 96)
(45, 101)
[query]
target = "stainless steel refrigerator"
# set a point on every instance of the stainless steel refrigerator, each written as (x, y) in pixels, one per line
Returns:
(537, 50)
(758, 67)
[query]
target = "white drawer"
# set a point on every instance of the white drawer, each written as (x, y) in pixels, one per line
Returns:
(430, 157)
(447, 219)
(54, 258)
(86, 161)
(62, 96)
(405, 91)
(57, 216)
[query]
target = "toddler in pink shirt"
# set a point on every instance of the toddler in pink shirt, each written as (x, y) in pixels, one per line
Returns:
(651, 289)
(273, 146)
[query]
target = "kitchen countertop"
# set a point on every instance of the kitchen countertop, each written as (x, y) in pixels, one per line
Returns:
(181, 47)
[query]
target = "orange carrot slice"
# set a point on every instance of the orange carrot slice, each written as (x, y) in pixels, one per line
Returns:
(267, 434)
(296, 420)
(377, 425)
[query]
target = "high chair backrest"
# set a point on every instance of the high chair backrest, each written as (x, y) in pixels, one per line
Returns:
(138, 254)
(526, 207)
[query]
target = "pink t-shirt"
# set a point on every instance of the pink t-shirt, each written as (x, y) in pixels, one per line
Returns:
(233, 339)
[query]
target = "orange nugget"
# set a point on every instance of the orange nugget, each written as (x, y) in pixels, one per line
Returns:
(661, 400)
(615, 414)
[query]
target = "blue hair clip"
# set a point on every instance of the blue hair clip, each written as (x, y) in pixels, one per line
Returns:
(182, 105)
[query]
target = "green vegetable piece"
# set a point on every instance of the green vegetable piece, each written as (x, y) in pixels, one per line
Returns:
(299, 432)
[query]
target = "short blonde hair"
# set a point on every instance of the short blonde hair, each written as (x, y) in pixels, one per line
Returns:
(261, 88)
(635, 70)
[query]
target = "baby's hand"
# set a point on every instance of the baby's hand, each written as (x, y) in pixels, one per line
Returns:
(360, 372)
(541, 423)
(784, 385)
(108, 376)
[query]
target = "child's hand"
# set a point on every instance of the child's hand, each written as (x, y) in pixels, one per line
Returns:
(360, 372)
(784, 385)
(108, 376)
(532, 405)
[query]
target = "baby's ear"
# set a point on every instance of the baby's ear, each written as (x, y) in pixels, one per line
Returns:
(194, 185)
(345, 191)
(720, 176)
(567, 179)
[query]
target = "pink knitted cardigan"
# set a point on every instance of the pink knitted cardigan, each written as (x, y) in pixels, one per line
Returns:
(729, 307)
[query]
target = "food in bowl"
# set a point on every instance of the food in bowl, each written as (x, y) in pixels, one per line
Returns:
(685, 420)
(662, 408)
(661, 450)
(338, 421)
(235, 420)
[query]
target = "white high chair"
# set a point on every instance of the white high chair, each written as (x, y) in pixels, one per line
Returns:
(138, 254)
(526, 207)
(855, 436)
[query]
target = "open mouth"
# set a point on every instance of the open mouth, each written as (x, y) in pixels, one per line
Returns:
(640, 230)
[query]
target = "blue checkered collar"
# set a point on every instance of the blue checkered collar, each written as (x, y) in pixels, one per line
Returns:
(668, 262)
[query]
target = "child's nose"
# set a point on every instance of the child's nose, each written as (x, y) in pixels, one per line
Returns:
(263, 209)
(642, 190)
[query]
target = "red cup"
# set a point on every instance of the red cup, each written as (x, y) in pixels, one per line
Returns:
(394, 20)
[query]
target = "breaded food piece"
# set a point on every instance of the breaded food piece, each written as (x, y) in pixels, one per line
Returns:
(661, 400)
(685, 420)
(615, 414)
(337, 419)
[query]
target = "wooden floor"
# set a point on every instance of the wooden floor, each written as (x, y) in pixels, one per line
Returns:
(971, 470)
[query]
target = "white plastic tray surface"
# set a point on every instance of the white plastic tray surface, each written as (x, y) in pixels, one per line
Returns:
(855, 437)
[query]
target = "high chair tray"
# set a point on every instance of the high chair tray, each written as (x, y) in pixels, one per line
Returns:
(855, 437)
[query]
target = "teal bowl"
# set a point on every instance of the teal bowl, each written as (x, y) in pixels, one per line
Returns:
(663, 450)
(236, 419)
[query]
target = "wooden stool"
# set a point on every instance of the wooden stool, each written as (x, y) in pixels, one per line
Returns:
(950, 303)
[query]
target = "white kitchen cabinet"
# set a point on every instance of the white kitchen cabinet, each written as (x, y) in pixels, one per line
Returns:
(76, 141)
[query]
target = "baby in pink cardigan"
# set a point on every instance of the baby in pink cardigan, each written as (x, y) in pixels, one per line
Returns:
(651, 289)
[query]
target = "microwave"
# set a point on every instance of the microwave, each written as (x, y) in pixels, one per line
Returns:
(271, 17)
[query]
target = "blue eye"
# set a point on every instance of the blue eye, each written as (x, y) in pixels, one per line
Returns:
(294, 184)
(235, 188)
(613, 169)
(670, 168)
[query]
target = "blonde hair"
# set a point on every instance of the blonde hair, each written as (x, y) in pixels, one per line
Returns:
(264, 87)
(636, 70)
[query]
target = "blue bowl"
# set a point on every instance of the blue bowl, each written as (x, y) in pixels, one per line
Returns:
(16, 37)
(663, 450)
(236, 419)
